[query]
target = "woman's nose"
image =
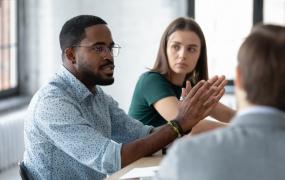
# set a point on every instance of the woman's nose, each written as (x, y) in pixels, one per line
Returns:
(182, 53)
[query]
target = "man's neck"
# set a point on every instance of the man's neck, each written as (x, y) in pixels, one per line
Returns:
(241, 99)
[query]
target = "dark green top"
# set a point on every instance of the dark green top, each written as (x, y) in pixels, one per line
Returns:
(151, 87)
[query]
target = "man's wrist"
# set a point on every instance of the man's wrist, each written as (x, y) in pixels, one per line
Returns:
(179, 127)
(177, 124)
(174, 126)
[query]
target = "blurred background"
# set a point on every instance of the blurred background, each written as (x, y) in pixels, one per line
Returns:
(30, 51)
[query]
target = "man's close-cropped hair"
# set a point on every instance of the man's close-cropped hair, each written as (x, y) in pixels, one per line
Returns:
(73, 31)
(261, 59)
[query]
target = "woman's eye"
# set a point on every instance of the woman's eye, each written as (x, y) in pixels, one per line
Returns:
(175, 47)
(191, 49)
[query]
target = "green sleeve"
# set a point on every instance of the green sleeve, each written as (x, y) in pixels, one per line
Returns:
(151, 87)
(156, 87)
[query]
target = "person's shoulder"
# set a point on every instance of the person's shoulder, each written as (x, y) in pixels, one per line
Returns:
(152, 75)
(52, 91)
(57, 87)
(194, 152)
(213, 139)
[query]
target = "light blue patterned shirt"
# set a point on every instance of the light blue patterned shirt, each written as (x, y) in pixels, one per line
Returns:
(71, 133)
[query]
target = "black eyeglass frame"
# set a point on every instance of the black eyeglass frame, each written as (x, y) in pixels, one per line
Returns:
(96, 48)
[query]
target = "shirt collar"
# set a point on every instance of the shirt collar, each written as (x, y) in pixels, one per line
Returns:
(259, 110)
(259, 114)
(80, 90)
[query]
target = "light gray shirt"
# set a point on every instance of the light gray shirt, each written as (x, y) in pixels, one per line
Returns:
(71, 133)
(252, 147)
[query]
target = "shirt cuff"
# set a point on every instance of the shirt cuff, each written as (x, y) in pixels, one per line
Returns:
(112, 157)
(145, 131)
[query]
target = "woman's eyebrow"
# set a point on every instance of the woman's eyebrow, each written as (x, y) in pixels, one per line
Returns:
(193, 45)
(177, 42)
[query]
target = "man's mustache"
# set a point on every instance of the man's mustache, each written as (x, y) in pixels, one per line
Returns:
(108, 62)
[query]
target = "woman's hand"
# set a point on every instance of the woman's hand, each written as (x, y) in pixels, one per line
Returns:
(206, 125)
(185, 91)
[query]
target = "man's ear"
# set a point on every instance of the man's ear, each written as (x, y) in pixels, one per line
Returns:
(238, 79)
(69, 54)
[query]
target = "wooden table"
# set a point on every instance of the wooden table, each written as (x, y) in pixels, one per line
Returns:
(153, 160)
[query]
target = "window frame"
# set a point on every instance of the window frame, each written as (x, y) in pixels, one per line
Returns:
(257, 17)
(14, 91)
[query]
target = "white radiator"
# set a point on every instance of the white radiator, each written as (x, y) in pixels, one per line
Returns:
(11, 138)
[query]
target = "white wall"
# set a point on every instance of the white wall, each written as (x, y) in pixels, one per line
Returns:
(136, 25)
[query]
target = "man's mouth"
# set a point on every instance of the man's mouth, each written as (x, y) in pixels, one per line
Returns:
(109, 69)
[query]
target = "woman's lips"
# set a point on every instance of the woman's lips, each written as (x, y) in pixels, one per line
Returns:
(181, 65)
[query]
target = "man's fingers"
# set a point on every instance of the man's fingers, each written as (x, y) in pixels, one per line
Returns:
(220, 95)
(207, 96)
(196, 88)
(204, 90)
(200, 100)
(219, 80)
(213, 101)
(215, 80)
(221, 86)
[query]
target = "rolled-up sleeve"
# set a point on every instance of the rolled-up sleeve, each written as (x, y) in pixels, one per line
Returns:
(112, 157)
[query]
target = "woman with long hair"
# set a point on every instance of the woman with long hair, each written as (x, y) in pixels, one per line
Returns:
(182, 58)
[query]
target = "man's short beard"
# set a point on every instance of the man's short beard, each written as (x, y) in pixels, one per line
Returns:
(98, 80)
(104, 82)
(94, 78)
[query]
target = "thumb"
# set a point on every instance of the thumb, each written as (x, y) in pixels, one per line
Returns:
(183, 93)
(188, 86)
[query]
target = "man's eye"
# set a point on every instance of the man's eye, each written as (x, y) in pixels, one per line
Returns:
(111, 48)
(99, 48)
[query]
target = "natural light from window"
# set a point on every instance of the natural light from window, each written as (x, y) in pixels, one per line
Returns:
(8, 44)
(225, 25)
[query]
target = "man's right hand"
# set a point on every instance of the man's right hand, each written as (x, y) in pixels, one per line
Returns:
(199, 103)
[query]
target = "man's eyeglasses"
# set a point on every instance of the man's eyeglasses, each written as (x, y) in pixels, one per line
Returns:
(102, 50)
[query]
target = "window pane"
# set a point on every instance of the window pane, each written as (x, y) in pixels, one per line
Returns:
(8, 42)
(274, 11)
(225, 25)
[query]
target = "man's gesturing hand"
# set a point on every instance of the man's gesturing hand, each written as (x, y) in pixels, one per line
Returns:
(199, 103)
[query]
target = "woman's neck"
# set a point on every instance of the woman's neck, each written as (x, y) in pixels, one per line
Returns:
(177, 79)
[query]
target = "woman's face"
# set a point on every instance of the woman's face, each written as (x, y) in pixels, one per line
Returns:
(183, 51)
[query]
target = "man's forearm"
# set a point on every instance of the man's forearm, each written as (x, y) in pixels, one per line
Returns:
(158, 139)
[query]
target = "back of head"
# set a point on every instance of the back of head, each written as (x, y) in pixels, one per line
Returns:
(261, 59)
(73, 31)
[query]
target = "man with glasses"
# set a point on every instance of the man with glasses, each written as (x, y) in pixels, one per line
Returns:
(73, 130)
